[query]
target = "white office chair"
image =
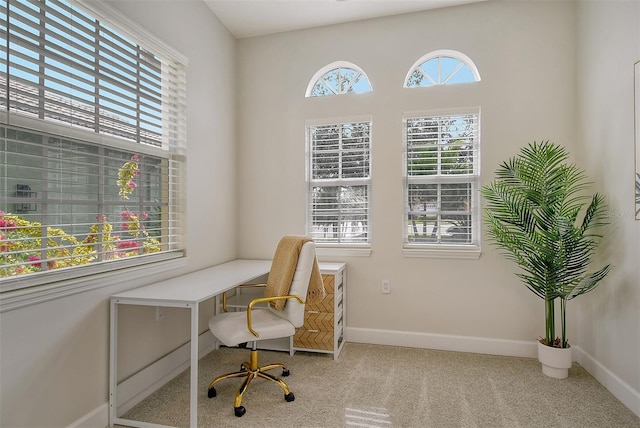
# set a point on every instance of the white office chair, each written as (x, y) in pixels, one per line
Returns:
(234, 328)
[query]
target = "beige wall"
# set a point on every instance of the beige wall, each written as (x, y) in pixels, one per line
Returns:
(609, 318)
(54, 357)
(525, 55)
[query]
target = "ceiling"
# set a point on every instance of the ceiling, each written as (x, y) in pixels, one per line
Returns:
(248, 18)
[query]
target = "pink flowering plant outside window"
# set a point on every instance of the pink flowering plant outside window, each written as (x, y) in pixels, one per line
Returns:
(25, 244)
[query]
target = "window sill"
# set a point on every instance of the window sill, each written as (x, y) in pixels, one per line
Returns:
(443, 252)
(28, 296)
(364, 251)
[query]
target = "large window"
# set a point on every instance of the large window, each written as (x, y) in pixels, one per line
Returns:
(441, 182)
(339, 182)
(92, 143)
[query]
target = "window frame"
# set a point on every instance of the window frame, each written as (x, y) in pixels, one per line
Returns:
(448, 53)
(338, 248)
(19, 290)
(444, 250)
(333, 66)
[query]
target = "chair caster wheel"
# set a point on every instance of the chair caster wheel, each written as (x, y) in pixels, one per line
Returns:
(239, 411)
(211, 393)
(285, 372)
(289, 397)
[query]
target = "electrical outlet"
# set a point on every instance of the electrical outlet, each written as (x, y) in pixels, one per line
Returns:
(386, 286)
(160, 311)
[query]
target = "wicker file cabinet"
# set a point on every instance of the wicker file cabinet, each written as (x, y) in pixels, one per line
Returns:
(323, 329)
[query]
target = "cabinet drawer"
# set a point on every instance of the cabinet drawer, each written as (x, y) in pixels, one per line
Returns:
(329, 283)
(314, 320)
(313, 339)
(326, 305)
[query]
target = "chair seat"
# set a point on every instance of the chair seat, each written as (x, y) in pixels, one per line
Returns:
(225, 326)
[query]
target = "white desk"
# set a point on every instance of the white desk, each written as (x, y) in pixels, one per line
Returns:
(185, 291)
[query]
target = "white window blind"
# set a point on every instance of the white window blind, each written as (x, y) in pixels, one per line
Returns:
(92, 145)
(442, 178)
(339, 182)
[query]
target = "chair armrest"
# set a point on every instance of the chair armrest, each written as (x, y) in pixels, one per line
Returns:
(224, 295)
(262, 300)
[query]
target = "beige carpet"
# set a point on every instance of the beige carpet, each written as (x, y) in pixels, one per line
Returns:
(384, 386)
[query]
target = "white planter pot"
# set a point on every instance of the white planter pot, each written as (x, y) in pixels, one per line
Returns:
(556, 362)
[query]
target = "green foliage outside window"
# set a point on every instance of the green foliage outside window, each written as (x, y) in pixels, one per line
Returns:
(29, 247)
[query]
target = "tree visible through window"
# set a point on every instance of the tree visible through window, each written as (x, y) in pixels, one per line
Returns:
(108, 189)
(442, 68)
(441, 158)
(338, 78)
(339, 182)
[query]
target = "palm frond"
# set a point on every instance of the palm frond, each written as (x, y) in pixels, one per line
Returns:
(588, 283)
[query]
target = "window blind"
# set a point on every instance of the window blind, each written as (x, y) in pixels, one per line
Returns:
(442, 176)
(93, 146)
(339, 182)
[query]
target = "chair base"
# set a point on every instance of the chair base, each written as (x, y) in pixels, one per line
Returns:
(249, 371)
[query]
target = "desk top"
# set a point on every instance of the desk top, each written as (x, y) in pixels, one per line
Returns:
(198, 286)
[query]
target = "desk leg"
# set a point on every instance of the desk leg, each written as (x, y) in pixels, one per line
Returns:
(113, 364)
(194, 367)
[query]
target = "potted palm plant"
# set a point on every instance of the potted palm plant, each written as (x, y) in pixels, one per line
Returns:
(537, 212)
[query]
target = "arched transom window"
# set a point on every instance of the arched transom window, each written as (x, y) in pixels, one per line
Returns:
(442, 67)
(338, 78)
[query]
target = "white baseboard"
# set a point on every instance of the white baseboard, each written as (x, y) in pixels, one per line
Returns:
(139, 386)
(619, 388)
(98, 418)
(443, 342)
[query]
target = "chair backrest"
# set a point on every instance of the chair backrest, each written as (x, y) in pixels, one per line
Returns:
(293, 310)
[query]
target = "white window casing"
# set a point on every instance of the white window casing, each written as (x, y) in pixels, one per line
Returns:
(339, 182)
(340, 77)
(93, 139)
(442, 67)
(441, 185)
